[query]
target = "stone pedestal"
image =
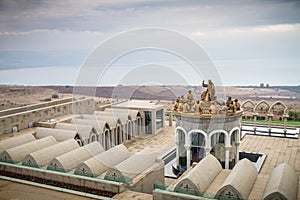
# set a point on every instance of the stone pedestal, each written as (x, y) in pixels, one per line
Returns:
(188, 155)
(285, 116)
(270, 117)
(205, 131)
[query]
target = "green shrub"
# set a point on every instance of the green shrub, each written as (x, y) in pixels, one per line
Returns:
(54, 96)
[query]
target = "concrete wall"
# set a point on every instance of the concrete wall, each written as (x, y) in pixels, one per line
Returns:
(168, 195)
(145, 181)
(58, 179)
(34, 106)
(21, 120)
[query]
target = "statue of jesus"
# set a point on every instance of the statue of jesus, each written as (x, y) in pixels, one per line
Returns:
(209, 94)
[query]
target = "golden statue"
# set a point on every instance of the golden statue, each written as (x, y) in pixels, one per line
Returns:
(209, 94)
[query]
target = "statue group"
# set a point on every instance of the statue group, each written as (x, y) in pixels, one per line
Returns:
(208, 103)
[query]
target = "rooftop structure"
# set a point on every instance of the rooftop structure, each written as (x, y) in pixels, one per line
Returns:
(100, 163)
(282, 184)
(211, 126)
(15, 141)
(17, 154)
(43, 156)
(240, 181)
(15, 119)
(200, 177)
(72, 159)
(153, 114)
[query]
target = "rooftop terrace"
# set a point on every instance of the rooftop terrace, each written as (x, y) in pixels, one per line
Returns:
(278, 150)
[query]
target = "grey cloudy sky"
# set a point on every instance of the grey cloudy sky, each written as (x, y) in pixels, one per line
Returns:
(250, 41)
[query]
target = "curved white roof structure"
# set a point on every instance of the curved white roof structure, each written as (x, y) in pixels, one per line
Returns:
(18, 153)
(239, 182)
(112, 121)
(102, 162)
(44, 156)
(59, 135)
(72, 159)
(98, 125)
(85, 131)
(200, 177)
(117, 115)
(131, 167)
(130, 112)
(15, 141)
(82, 129)
(282, 184)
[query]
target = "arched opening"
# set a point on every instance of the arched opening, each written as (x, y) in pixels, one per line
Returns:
(129, 129)
(278, 109)
(198, 144)
(106, 139)
(248, 109)
(218, 143)
(93, 138)
(262, 109)
(78, 140)
(139, 125)
(181, 150)
(118, 135)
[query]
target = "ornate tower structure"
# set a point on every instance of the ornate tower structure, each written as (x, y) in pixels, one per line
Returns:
(211, 127)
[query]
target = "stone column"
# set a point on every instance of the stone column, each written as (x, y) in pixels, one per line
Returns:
(188, 155)
(111, 138)
(254, 122)
(285, 116)
(170, 118)
(177, 152)
(237, 156)
(227, 149)
(103, 140)
(123, 129)
(153, 121)
(270, 116)
(207, 150)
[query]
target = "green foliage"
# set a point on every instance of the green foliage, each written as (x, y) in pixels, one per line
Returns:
(294, 115)
(280, 112)
(292, 123)
(54, 96)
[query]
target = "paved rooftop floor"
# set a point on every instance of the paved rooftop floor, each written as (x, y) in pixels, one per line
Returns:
(18, 191)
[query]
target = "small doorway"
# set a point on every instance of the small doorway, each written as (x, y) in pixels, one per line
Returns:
(148, 122)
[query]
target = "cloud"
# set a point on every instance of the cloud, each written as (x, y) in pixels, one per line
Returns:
(229, 30)
(112, 16)
(263, 29)
(50, 39)
(278, 28)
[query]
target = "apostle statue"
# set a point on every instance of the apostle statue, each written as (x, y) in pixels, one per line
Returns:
(190, 99)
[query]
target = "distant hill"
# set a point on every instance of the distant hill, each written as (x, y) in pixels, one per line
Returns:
(171, 92)
(16, 96)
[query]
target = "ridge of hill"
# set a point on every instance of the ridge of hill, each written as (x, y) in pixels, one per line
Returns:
(16, 96)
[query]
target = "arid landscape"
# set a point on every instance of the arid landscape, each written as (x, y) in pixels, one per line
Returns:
(16, 96)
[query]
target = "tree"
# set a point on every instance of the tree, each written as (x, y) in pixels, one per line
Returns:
(54, 96)
(261, 85)
(295, 115)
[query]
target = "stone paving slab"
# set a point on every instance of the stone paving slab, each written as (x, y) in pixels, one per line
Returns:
(18, 191)
(278, 150)
(133, 196)
(217, 182)
(159, 143)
